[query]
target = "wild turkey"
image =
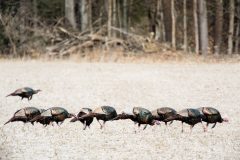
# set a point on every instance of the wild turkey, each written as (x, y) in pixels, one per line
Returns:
(54, 114)
(211, 115)
(86, 121)
(163, 113)
(104, 113)
(189, 116)
(139, 115)
(25, 115)
(43, 122)
(25, 92)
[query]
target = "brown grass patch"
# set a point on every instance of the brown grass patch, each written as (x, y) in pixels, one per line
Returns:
(119, 56)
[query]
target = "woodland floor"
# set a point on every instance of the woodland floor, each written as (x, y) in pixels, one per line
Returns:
(75, 85)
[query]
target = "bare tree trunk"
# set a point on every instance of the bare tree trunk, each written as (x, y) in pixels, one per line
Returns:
(231, 26)
(195, 15)
(70, 12)
(238, 29)
(114, 16)
(160, 28)
(120, 16)
(167, 19)
(237, 38)
(109, 18)
(203, 27)
(84, 15)
(173, 25)
(218, 26)
(125, 15)
(90, 15)
(158, 22)
(162, 21)
(185, 25)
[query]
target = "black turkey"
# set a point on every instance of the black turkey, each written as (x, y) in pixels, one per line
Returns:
(25, 92)
(104, 113)
(189, 116)
(139, 115)
(25, 115)
(211, 115)
(85, 121)
(161, 114)
(54, 114)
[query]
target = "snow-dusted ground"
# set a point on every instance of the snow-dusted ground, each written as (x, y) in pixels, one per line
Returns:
(75, 85)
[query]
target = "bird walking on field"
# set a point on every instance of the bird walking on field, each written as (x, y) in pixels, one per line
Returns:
(25, 92)
(54, 114)
(189, 116)
(161, 114)
(104, 113)
(211, 115)
(85, 121)
(25, 115)
(140, 116)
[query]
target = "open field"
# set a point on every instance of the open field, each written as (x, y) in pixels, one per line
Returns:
(75, 85)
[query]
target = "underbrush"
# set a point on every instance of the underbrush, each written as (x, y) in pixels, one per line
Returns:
(114, 56)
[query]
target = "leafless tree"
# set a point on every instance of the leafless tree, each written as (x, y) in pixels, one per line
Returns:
(203, 26)
(185, 42)
(70, 12)
(231, 26)
(84, 15)
(109, 18)
(114, 16)
(196, 31)
(125, 14)
(173, 25)
(237, 33)
(160, 29)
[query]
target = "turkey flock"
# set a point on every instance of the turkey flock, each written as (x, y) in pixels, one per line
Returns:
(138, 115)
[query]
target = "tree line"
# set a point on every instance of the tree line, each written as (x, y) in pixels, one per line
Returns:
(194, 26)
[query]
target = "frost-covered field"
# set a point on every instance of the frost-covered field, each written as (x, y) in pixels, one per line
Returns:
(75, 85)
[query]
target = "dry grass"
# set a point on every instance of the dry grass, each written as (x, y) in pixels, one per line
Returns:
(75, 85)
(118, 56)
